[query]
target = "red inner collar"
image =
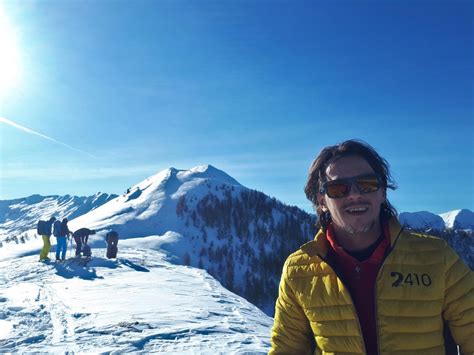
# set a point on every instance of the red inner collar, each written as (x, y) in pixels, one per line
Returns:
(376, 257)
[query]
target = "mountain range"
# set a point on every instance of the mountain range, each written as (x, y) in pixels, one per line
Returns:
(457, 219)
(204, 218)
(22, 214)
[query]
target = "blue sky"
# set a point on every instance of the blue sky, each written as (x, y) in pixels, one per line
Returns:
(255, 88)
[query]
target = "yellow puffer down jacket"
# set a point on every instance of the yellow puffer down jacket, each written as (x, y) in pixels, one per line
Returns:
(421, 284)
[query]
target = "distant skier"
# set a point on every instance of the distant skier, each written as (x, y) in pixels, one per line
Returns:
(44, 229)
(112, 240)
(61, 233)
(81, 236)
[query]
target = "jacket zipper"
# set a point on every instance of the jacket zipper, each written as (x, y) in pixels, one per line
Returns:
(352, 302)
(375, 294)
(375, 291)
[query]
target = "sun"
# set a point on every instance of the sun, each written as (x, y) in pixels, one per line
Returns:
(9, 55)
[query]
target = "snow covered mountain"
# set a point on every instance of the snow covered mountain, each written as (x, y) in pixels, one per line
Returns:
(138, 303)
(209, 220)
(421, 220)
(456, 227)
(459, 219)
(22, 214)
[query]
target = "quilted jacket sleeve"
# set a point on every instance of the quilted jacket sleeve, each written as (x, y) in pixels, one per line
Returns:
(291, 333)
(458, 307)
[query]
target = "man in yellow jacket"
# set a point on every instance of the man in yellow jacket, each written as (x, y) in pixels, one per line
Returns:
(365, 285)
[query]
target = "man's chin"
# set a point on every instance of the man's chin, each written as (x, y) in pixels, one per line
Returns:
(359, 228)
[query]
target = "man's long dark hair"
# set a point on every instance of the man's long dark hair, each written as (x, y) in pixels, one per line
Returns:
(317, 174)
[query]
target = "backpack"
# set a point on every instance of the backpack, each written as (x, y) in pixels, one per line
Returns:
(42, 228)
(64, 229)
(57, 228)
(86, 251)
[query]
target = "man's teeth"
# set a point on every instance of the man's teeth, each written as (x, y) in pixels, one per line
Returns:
(357, 209)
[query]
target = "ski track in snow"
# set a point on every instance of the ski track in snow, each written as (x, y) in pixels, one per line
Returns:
(136, 303)
(32, 312)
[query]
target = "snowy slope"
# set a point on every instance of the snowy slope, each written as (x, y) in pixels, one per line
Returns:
(240, 236)
(459, 219)
(20, 215)
(421, 220)
(137, 303)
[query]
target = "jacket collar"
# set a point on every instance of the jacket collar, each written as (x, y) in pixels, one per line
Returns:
(394, 229)
(319, 245)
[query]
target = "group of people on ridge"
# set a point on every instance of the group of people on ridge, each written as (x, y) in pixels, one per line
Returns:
(61, 231)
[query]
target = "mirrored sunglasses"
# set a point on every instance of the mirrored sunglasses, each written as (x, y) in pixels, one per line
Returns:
(341, 187)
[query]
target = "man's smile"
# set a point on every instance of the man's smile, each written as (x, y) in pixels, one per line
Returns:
(357, 211)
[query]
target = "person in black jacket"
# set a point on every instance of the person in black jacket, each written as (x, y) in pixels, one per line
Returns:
(81, 236)
(112, 240)
(62, 234)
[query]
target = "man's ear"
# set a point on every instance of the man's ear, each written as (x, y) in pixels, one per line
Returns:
(322, 201)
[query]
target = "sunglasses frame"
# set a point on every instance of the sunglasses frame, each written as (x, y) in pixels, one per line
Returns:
(352, 181)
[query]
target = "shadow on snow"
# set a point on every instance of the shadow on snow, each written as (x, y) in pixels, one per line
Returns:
(87, 271)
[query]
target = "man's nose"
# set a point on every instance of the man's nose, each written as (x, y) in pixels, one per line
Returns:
(353, 190)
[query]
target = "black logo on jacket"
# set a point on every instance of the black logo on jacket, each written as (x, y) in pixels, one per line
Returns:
(410, 279)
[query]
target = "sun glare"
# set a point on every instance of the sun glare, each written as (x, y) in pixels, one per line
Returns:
(9, 55)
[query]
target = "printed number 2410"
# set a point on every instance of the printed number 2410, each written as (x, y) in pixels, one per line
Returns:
(410, 279)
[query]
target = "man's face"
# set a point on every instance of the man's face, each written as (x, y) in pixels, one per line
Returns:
(343, 213)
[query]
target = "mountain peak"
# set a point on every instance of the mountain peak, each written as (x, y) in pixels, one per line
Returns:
(207, 171)
(173, 175)
(204, 168)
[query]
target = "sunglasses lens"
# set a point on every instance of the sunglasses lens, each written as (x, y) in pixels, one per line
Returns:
(342, 187)
(339, 189)
(368, 184)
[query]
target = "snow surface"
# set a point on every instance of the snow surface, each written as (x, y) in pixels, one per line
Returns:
(140, 302)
